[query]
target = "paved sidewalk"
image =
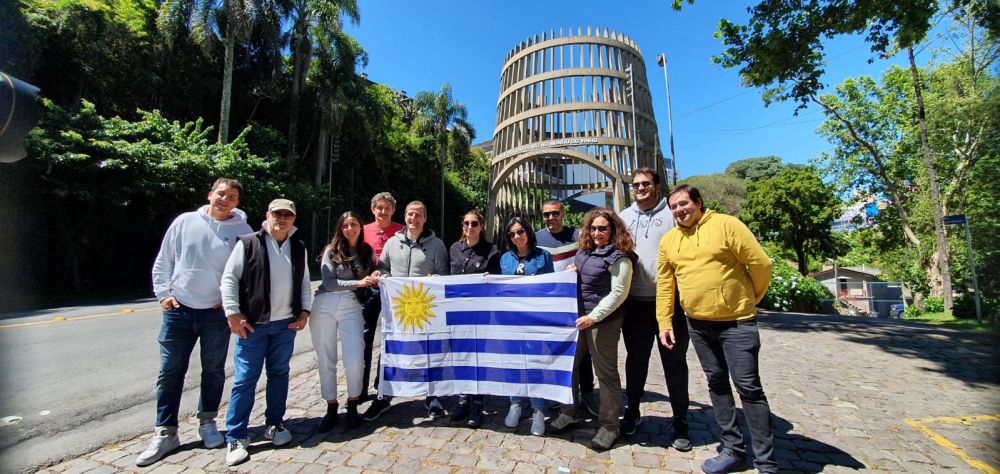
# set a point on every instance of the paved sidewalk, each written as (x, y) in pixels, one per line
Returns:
(847, 394)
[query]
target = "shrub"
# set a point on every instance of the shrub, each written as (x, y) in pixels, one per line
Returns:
(912, 312)
(965, 307)
(790, 291)
(933, 305)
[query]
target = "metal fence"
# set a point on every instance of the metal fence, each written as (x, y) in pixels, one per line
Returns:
(873, 299)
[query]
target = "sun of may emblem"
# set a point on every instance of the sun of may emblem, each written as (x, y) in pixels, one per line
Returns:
(413, 306)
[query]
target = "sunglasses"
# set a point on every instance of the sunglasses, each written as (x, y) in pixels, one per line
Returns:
(549, 214)
(641, 184)
(472, 224)
(283, 215)
(516, 233)
(600, 228)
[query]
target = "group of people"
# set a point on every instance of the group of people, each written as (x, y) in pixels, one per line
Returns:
(641, 279)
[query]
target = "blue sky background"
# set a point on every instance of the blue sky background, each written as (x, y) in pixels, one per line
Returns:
(416, 46)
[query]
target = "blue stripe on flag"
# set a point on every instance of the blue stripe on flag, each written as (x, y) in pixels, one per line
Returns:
(485, 374)
(510, 318)
(513, 290)
(489, 346)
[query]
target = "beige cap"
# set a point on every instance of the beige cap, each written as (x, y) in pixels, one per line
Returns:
(281, 205)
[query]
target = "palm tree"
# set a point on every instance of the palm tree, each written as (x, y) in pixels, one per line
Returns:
(446, 119)
(210, 22)
(313, 22)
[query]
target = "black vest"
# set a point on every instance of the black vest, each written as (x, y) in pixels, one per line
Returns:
(594, 278)
(255, 282)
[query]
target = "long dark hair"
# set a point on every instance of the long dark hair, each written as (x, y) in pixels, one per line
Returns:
(620, 236)
(482, 225)
(532, 241)
(338, 246)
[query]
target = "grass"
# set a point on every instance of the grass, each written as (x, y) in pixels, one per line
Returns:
(944, 319)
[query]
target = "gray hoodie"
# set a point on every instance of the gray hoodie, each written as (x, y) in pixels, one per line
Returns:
(647, 228)
(402, 257)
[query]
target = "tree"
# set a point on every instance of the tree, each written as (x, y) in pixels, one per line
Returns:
(212, 21)
(314, 22)
(721, 192)
(781, 50)
(794, 209)
(447, 120)
(754, 169)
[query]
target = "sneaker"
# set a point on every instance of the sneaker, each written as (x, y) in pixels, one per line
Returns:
(591, 403)
(161, 444)
(726, 461)
(278, 435)
(538, 423)
(604, 439)
(377, 408)
(236, 452)
(210, 435)
(434, 409)
(630, 422)
(328, 422)
(475, 416)
(682, 441)
(563, 421)
(513, 416)
(461, 410)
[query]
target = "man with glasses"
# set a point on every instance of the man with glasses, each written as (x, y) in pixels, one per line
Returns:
(376, 234)
(560, 242)
(186, 277)
(648, 219)
(267, 298)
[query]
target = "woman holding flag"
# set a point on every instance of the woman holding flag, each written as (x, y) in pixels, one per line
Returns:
(347, 268)
(525, 258)
(604, 274)
(472, 254)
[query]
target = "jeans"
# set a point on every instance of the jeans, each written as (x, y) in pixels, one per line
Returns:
(536, 403)
(730, 349)
(181, 328)
(601, 341)
(370, 312)
(640, 332)
(270, 344)
(337, 315)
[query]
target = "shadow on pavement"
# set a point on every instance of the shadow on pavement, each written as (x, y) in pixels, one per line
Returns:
(968, 357)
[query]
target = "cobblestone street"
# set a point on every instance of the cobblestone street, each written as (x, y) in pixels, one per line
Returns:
(846, 394)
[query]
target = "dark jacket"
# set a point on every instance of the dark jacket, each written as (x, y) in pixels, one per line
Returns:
(481, 258)
(594, 278)
(255, 282)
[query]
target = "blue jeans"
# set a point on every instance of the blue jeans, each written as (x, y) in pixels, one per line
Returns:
(729, 349)
(269, 344)
(536, 403)
(181, 329)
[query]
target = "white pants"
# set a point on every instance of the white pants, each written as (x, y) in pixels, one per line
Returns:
(338, 314)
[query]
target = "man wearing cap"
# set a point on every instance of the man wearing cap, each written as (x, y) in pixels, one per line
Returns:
(267, 297)
(186, 277)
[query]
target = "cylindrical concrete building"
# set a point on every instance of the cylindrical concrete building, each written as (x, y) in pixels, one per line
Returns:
(565, 124)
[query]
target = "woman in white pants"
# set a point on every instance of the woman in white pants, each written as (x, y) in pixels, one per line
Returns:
(348, 270)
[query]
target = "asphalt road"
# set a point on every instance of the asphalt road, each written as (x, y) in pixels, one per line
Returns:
(75, 379)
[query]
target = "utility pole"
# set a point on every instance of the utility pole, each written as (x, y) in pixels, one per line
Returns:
(661, 59)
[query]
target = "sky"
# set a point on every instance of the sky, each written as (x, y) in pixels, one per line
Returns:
(419, 46)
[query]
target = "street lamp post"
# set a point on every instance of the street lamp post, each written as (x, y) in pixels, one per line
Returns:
(661, 59)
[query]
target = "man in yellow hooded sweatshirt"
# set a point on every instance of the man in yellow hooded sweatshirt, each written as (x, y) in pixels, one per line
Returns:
(721, 272)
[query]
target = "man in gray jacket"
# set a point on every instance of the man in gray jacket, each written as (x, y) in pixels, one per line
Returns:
(412, 252)
(648, 219)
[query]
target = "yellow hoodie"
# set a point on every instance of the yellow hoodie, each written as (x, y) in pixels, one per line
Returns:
(720, 269)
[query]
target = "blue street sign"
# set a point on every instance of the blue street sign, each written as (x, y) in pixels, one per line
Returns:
(955, 219)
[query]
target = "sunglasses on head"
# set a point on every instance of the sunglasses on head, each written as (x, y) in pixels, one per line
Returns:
(549, 214)
(472, 224)
(641, 184)
(516, 233)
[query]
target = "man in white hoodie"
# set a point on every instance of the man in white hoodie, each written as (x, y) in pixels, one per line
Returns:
(186, 277)
(648, 220)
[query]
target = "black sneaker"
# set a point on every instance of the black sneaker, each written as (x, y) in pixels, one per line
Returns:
(631, 421)
(434, 409)
(475, 416)
(461, 410)
(682, 440)
(377, 408)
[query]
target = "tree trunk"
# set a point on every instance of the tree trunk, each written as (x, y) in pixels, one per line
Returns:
(299, 56)
(443, 146)
(227, 88)
(800, 255)
(944, 272)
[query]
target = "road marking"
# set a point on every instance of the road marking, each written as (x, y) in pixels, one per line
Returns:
(61, 319)
(919, 425)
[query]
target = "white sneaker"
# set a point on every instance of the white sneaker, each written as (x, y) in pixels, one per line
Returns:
(278, 435)
(210, 435)
(161, 444)
(236, 452)
(538, 423)
(513, 416)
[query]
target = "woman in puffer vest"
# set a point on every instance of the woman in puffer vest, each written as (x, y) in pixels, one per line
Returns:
(604, 274)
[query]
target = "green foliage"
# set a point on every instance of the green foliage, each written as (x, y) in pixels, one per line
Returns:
(720, 192)
(790, 291)
(964, 307)
(933, 304)
(912, 312)
(755, 169)
(794, 209)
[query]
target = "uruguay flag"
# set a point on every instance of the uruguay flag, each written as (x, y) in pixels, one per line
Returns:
(475, 334)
